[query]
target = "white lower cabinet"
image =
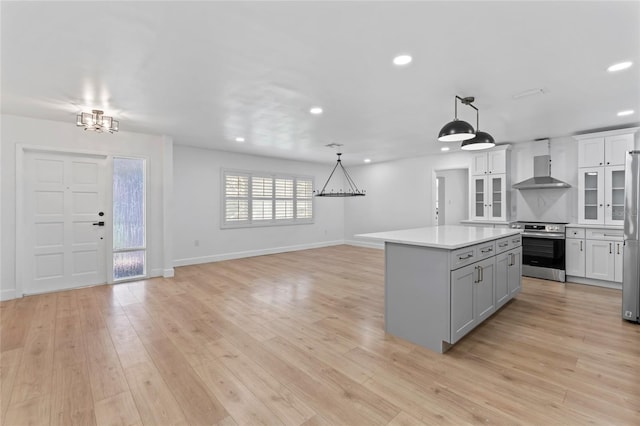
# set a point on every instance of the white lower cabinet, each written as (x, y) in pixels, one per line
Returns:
(575, 257)
(605, 260)
(514, 274)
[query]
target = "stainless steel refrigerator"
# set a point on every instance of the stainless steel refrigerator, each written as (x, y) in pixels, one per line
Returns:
(631, 260)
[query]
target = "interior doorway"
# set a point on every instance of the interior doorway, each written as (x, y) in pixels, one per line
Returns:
(451, 196)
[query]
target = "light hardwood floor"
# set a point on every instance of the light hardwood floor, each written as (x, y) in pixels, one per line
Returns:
(297, 338)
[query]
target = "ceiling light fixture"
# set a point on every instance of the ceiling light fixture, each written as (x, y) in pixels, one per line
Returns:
(457, 130)
(239, 139)
(353, 190)
(367, 160)
(529, 92)
(444, 149)
(402, 60)
(620, 66)
(482, 140)
(625, 113)
(316, 110)
(96, 121)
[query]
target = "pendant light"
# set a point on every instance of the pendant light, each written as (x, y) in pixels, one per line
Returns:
(457, 130)
(483, 140)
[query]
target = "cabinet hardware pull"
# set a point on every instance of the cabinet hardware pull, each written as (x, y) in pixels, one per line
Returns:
(610, 248)
(618, 248)
(580, 245)
(503, 244)
(481, 273)
(465, 257)
(487, 250)
(611, 235)
(476, 280)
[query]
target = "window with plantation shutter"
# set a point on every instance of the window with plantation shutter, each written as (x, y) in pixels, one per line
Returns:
(259, 199)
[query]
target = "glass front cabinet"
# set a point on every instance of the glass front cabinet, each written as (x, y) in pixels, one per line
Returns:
(488, 197)
(601, 196)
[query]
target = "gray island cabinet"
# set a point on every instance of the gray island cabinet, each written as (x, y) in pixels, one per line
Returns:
(442, 281)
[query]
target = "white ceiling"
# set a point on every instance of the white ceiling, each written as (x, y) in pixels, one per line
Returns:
(208, 72)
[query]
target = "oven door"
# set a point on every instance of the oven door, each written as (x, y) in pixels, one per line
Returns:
(544, 251)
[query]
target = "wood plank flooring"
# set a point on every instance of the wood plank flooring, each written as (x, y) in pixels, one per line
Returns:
(297, 339)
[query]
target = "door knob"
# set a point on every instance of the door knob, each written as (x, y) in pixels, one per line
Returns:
(98, 224)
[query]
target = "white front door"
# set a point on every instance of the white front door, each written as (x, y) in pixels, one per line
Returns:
(64, 232)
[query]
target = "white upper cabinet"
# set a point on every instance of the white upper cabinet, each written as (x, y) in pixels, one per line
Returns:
(604, 151)
(492, 162)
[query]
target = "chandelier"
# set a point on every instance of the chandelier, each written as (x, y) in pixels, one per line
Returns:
(353, 190)
(459, 130)
(97, 121)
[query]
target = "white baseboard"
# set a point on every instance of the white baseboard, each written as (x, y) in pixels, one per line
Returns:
(156, 272)
(368, 244)
(168, 273)
(251, 253)
(8, 294)
(597, 283)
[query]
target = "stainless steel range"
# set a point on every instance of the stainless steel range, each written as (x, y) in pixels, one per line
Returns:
(543, 246)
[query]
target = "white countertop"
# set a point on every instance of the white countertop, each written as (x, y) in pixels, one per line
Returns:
(577, 225)
(447, 237)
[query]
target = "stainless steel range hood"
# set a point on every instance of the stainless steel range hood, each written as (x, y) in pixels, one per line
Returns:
(541, 176)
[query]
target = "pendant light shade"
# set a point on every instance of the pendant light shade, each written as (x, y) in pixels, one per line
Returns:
(483, 140)
(456, 131)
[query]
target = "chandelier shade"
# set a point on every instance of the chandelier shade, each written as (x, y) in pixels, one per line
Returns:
(96, 121)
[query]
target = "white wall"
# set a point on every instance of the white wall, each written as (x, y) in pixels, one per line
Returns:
(399, 194)
(22, 131)
(197, 209)
(455, 202)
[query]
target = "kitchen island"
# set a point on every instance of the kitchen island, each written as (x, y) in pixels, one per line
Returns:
(442, 281)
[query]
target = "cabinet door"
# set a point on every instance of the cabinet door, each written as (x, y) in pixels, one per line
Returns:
(479, 164)
(591, 195)
(502, 275)
(497, 188)
(479, 201)
(615, 149)
(485, 299)
(515, 272)
(575, 257)
(600, 260)
(619, 253)
(614, 195)
(591, 152)
(497, 162)
(463, 317)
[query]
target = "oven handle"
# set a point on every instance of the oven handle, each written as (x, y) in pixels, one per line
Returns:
(543, 235)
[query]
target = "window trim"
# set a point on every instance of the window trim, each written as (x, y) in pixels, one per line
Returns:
(250, 223)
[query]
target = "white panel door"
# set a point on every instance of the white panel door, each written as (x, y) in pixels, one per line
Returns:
(497, 162)
(615, 149)
(479, 164)
(575, 257)
(600, 260)
(63, 242)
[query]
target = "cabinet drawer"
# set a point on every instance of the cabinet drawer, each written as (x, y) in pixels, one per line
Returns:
(605, 234)
(575, 233)
(515, 241)
(486, 250)
(503, 244)
(463, 256)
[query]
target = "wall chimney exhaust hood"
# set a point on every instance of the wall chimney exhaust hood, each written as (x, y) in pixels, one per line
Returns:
(541, 176)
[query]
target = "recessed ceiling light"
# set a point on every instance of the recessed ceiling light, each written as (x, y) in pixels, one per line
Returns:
(620, 66)
(402, 60)
(626, 112)
(239, 139)
(444, 148)
(316, 110)
(367, 160)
